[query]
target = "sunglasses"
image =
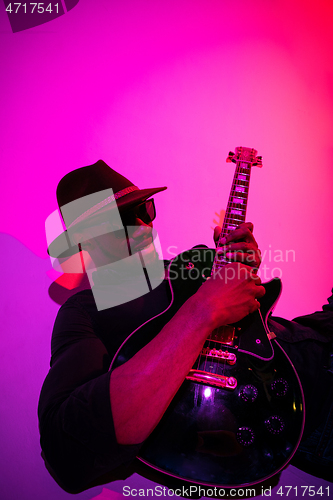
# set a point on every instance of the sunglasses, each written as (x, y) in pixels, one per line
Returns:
(145, 211)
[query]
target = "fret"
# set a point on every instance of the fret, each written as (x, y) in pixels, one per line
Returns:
(230, 218)
(237, 221)
(240, 189)
(237, 200)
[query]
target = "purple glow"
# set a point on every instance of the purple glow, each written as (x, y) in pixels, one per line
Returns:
(207, 392)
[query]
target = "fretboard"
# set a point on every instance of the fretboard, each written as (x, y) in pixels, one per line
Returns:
(236, 209)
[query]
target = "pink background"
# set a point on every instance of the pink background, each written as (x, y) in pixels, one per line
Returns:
(161, 91)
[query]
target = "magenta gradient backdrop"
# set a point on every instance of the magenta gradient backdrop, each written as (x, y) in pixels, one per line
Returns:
(161, 91)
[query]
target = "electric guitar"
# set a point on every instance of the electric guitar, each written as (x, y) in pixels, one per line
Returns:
(238, 417)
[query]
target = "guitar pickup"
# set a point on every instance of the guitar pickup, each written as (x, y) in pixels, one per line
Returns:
(212, 379)
(224, 334)
(227, 356)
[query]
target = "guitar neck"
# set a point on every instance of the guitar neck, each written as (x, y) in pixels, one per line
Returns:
(235, 213)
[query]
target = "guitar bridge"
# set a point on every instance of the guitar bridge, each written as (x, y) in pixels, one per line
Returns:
(212, 379)
(229, 357)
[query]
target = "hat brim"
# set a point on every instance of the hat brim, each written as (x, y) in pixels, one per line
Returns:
(56, 248)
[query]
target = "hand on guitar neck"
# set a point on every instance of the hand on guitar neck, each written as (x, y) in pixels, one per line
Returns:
(151, 378)
(239, 245)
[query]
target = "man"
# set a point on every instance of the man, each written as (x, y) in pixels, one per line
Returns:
(93, 421)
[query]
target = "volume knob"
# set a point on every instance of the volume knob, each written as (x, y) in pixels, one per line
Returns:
(280, 387)
(249, 393)
(274, 424)
(245, 436)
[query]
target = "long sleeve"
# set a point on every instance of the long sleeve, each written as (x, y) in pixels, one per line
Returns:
(76, 426)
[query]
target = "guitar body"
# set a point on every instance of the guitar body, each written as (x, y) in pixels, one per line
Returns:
(238, 417)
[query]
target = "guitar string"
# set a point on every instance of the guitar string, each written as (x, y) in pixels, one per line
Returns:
(244, 183)
(228, 221)
(219, 265)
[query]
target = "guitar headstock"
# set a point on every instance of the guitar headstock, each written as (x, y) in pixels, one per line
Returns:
(245, 155)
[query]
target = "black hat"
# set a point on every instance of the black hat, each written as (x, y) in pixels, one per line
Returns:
(88, 191)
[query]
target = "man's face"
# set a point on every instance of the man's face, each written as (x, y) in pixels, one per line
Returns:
(107, 242)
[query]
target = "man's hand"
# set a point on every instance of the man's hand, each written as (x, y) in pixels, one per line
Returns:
(240, 245)
(230, 295)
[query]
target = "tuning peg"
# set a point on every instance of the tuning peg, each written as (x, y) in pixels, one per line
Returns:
(258, 162)
(230, 158)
